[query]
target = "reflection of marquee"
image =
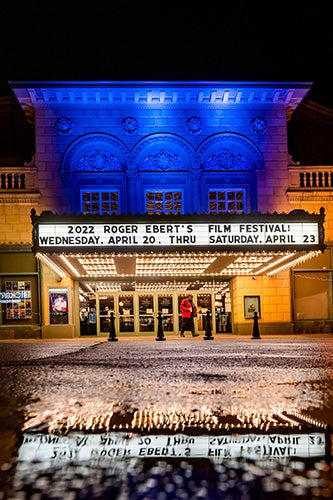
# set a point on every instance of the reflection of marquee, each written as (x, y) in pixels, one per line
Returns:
(192, 422)
(119, 445)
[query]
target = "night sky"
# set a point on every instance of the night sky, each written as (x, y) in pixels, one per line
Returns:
(155, 40)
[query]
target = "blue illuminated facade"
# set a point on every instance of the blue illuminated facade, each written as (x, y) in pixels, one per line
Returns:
(188, 149)
(133, 138)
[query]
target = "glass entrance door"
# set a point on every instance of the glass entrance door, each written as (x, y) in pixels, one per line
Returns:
(165, 307)
(126, 313)
(204, 304)
(138, 312)
(146, 313)
(106, 305)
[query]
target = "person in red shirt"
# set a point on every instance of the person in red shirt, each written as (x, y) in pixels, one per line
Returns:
(188, 311)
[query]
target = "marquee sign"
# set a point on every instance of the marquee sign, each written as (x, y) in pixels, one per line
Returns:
(246, 232)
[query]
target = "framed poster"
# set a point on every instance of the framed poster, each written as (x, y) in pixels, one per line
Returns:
(58, 306)
(17, 297)
(251, 305)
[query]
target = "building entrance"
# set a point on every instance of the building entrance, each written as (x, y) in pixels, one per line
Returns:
(137, 313)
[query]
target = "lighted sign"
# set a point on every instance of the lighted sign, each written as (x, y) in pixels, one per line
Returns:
(206, 235)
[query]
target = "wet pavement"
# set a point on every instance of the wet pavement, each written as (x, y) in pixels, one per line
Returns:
(235, 390)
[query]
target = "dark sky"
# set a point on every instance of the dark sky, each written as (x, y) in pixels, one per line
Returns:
(161, 40)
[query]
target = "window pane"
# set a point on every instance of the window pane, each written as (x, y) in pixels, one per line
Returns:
(165, 202)
(101, 202)
(226, 201)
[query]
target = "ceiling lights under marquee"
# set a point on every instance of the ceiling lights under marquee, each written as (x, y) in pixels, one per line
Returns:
(161, 266)
(166, 265)
(52, 265)
(295, 262)
(150, 286)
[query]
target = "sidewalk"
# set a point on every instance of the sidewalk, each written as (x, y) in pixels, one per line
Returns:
(173, 337)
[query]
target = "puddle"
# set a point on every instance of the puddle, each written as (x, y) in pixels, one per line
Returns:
(149, 455)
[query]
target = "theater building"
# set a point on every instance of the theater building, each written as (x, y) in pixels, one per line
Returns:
(142, 192)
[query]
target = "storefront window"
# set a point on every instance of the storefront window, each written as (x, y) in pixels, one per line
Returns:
(312, 295)
(18, 300)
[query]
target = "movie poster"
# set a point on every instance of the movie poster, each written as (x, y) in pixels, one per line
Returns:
(58, 303)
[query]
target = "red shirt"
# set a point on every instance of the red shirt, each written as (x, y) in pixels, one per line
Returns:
(186, 308)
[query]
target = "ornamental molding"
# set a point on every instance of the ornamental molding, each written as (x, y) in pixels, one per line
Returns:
(226, 160)
(130, 125)
(163, 160)
(63, 125)
(19, 199)
(194, 124)
(98, 160)
(228, 150)
(161, 93)
(163, 145)
(94, 152)
(309, 197)
(259, 125)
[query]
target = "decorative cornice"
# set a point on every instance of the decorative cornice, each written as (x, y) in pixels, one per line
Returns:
(306, 196)
(15, 246)
(161, 93)
(13, 198)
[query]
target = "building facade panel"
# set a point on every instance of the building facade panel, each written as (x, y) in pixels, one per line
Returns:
(172, 148)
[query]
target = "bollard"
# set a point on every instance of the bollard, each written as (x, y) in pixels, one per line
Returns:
(208, 335)
(255, 332)
(160, 333)
(112, 335)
